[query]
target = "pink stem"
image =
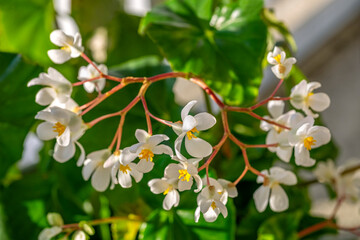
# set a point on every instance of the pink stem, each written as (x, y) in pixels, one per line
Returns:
(262, 145)
(87, 80)
(269, 98)
(86, 58)
(213, 154)
(268, 121)
(148, 120)
(242, 175)
(95, 121)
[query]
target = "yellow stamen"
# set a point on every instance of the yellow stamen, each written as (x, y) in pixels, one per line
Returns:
(184, 175)
(190, 134)
(167, 190)
(307, 97)
(278, 58)
(124, 169)
(59, 128)
(213, 205)
(65, 48)
(308, 142)
(146, 154)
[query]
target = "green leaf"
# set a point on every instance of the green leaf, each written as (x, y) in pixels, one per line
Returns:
(25, 27)
(18, 107)
(225, 48)
(280, 227)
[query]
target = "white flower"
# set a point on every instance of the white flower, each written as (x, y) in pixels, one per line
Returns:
(49, 233)
(57, 93)
(79, 235)
(211, 202)
(282, 65)
(302, 97)
(279, 201)
(123, 168)
(167, 187)
(229, 187)
(326, 172)
(146, 148)
(93, 165)
(194, 145)
(66, 127)
(70, 46)
(186, 171)
(304, 137)
(277, 134)
(90, 72)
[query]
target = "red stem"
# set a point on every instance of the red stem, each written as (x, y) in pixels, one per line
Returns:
(95, 121)
(208, 90)
(261, 145)
(269, 98)
(268, 121)
(213, 154)
(87, 80)
(148, 120)
(83, 55)
(242, 175)
(313, 228)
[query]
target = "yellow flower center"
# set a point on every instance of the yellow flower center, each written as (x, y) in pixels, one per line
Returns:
(278, 58)
(66, 48)
(184, 175)
(167, 190)
(146, 154)
(59, 128)
(213, 205)
(124, 169)
(190, 134)
(308, 142)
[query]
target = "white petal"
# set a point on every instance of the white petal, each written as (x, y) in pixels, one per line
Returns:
(136, 148)
(45, 96)
(211, 215)
(171, 199)
(204, 121)
(259, 178)
(141, 135)
(320, 134)
(271, 59)
(197, 214)
(64, 139)
(198, 147)
(178, 141)
(271, 138)
(302, 156)
(89, 168)
(185, 185)
(205, 205)
(279, 201)
(124, 179)
(172, 170)
(311, 86)
(156, 139)
(158, 186)
(126, 156)
(265, 126)
(198, 183)
(261, 198)
(45, 131)
(101, 178)
(79, 235)
(144, 166)
(284, 153)
(319, 101)
(163, 149)
(58, 56)
(81, 159)
(135, 173)
(177, 127)
(222, 208)
(189, 123)
(49, 233)
(276, 108)
(185, 111)
(59, 38)
(89, 87)
(63, 154)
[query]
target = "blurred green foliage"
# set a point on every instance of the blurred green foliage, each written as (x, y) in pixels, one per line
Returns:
(222, 41)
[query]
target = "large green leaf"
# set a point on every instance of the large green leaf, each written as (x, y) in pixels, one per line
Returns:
(25, 27)
(225, 48)
(18, 107)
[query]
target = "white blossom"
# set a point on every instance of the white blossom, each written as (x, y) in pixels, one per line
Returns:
(186, 171)
(211, 202)
(58, 90)
(229, 187)
(282, 64)
(93, 166)
(326, 172)
(70, 46)
(49, 233)
(123, 168)
(305, 137)
(66, 127)
(80, 235)
(278, 134)
(90, 72)
(148, 146)
(279, 201)
(302, 97)
(190, 125)
(168, 187)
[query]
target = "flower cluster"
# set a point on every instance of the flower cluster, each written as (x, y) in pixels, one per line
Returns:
(287, 133)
